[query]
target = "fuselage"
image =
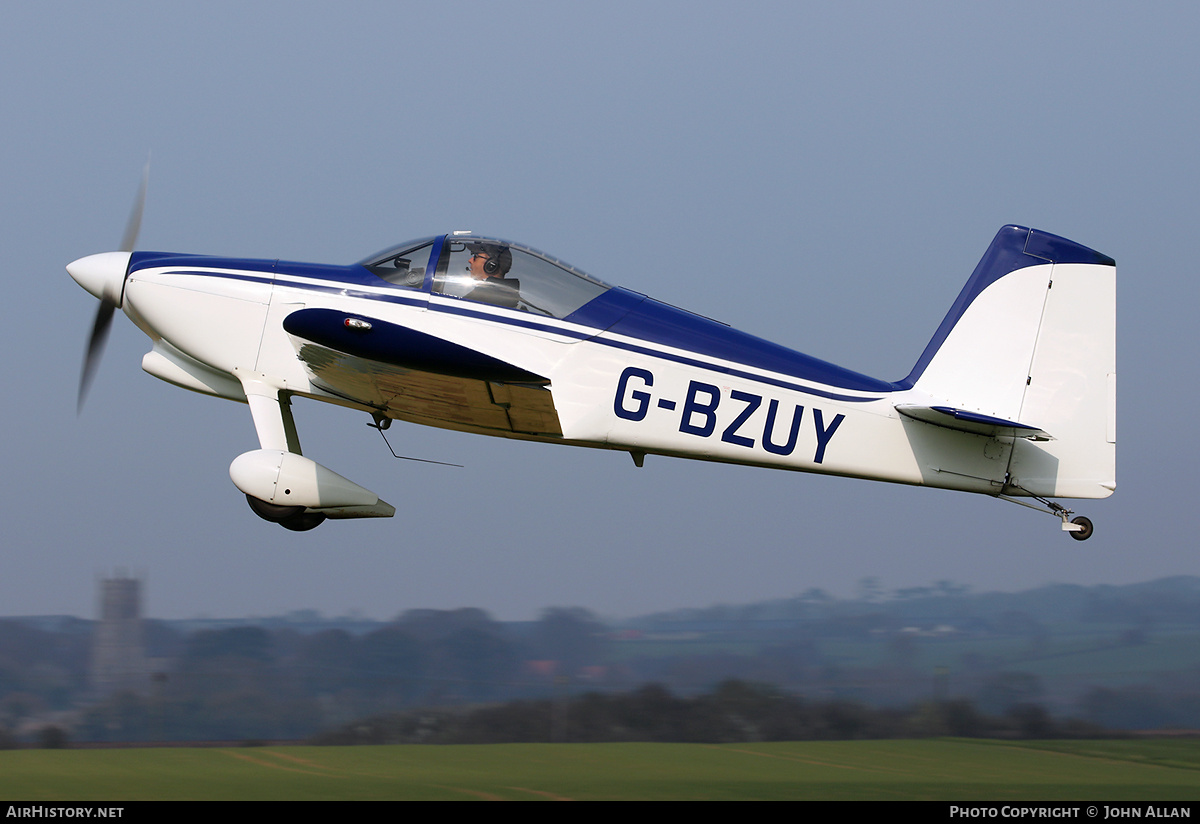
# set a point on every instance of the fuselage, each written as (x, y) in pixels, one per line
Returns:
(618, 371)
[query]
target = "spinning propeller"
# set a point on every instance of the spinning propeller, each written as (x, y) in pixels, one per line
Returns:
(104, 276)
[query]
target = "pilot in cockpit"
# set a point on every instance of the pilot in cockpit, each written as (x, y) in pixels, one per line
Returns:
(488, 266)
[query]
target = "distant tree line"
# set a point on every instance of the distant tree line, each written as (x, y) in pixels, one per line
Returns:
(735, 711)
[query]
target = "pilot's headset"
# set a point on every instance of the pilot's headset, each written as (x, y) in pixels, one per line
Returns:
(499, 260)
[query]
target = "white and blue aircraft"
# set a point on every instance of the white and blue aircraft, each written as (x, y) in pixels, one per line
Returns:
(1014, 396)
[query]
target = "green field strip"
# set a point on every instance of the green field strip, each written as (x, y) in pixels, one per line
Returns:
(939, 769)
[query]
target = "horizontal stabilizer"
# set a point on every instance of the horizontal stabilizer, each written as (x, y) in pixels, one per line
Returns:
(965, 421)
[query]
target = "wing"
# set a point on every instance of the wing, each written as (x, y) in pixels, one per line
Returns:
(421, 378)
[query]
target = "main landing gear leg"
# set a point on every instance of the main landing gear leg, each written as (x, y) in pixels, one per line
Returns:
(1080, 528)
(276, 428)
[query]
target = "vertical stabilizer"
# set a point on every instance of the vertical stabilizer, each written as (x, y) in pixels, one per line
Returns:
(1032, 338)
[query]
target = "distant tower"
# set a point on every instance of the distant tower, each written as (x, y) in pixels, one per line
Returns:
(118, 647)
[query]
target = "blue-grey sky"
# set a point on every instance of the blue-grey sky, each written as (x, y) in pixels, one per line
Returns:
(825, 175)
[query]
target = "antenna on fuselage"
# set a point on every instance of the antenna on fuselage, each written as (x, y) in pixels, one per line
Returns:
(381, 422)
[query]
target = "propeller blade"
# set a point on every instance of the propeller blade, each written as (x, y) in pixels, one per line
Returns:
(135, 217)
(104, 315)
(91, 359)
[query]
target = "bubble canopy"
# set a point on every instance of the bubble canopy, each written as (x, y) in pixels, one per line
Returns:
(487, 270)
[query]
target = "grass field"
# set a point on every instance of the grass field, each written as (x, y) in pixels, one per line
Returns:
(957, 770)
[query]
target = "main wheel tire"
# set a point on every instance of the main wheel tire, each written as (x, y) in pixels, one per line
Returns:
(1086, 532)
(303, 521)
(275, 513)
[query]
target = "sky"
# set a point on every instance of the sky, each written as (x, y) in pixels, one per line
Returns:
(825, 175)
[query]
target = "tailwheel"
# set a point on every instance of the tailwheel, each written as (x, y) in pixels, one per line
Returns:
(1080, 528)
(1086, 531)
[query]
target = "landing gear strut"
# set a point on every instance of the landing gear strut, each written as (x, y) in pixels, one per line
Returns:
(1080, 528)
(281, 485)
